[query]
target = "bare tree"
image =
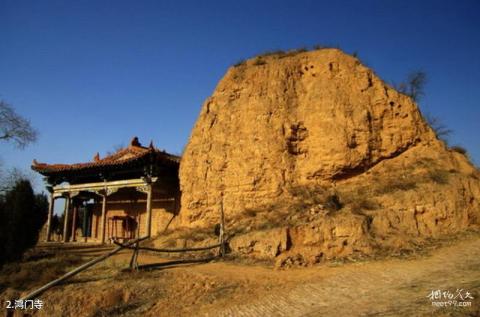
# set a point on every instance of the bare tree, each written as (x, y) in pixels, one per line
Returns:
(15, 128)
(9, 178)
(414, 87)
(440, 129)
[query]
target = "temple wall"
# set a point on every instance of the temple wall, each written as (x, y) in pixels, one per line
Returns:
(162, 212)
(127, 201)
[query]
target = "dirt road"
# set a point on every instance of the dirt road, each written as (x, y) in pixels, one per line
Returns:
(384, 288)
(388, 287)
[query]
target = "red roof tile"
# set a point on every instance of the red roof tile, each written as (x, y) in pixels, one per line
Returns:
(133, 152)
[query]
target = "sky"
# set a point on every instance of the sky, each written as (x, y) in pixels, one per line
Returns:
(90, 75)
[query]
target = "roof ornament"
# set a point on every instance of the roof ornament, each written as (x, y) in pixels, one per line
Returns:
(135, 142)
(96, 158)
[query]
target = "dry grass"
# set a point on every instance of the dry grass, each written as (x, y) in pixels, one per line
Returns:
(193, 235)
(301, 206)
(293, 52)
(395, 184)
(308, 196)
(261, 59)
(439, 176)
(283, 54)
(35, 271)
(243, 288)
(364, 203)
(273, 53)
(250, 212)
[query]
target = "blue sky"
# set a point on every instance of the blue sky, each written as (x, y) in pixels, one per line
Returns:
(92, 74)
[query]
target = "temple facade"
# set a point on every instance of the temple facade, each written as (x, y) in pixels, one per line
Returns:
(130, 194)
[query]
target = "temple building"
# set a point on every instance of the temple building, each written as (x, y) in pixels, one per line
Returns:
(129, 194)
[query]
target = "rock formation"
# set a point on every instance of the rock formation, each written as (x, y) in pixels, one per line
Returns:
(316, 149)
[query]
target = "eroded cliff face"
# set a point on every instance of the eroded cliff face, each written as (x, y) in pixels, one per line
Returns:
(308, 118)
(320, 121)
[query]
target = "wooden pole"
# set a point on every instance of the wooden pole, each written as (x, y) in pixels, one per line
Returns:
(74, 222)
(78, 270)
(222, 230)
(49, 217)
(131, 259)
(134, 259)
(149, 210)
(104, 217)
(139, 220)
(65, 219)
(86, 221)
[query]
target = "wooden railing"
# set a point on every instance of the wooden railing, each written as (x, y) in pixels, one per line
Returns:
(79, 269)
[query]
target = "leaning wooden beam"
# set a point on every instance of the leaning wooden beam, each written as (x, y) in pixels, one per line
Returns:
(79, 269)
(170, 250)
(174, 263)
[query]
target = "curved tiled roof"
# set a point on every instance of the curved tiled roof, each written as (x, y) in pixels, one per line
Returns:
(135, 151)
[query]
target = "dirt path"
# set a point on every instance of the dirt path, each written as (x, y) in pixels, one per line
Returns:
(392, 287)
(384, 288)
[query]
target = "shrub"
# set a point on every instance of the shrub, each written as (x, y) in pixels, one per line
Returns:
(459, 149)
(358, 198)
(275, 53)
(414, 85)
(239, 63)
(333, 202)
(363, 203)
(441, 130)
(394, 185)
(439, 176)
(293, 52)
(259, 61)
(250, 212)
(272, 53)
(308, 196)
(321, 47)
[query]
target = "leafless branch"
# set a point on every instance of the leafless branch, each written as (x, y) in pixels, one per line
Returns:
(414, 86)
(440, 129)
(15, 128)
(9, 178)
